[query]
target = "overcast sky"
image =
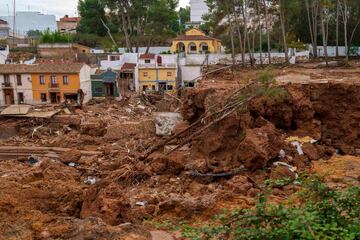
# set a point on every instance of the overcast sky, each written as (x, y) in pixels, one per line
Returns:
(56, 7)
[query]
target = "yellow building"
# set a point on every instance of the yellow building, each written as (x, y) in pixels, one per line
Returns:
(154, 75)
(56, 82)
(194, 41)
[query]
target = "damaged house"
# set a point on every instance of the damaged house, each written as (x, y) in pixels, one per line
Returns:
(43, 83)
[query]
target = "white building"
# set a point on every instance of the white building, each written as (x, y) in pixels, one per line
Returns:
(116, 61)
(15, 89)
(198, 9)
(4, 54)
(26, 21)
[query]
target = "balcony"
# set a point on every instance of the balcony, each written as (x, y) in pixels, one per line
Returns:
(54, 87)
(7, 85)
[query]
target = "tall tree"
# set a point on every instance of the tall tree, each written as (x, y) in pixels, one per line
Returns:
(91, 11)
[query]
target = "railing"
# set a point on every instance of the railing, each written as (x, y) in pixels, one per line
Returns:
(6, 85)
(53, 85)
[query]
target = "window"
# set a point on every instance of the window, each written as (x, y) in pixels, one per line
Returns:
(53, 79)
(43, 97)
(169, 74)
(170, 87)
(145, 74)
(21, 98)
(153, 87)
(205, 48)
(145, 87)
(147, 61)
(18, 80)
(42, 80)
(192, 48)
(65, 80)
(6, 79)
(98, 90)
(114, 58)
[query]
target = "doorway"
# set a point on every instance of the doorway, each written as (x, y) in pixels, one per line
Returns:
(162, 86)
(109, 90)
(9, 96)
(54, 97)
(21, 99)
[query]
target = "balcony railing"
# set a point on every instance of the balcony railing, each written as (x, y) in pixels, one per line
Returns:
(6, 85)
(54, 85)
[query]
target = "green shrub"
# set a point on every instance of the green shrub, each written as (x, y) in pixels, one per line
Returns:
(325, 213)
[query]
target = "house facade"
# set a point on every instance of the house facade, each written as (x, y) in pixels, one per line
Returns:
(44, 83)
(15, 88)
(194, 41)
(68, 24)
(156, 75)
(104, 84)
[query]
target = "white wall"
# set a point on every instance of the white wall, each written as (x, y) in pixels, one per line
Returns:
(85, 82)
(4, 55)
(116, 65)
(25, 88)
(189, 73)
(332, 51)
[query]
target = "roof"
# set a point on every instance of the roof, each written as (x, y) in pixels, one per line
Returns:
(128, 66)
(147, 56)
(3, 21)
(194, 38)
(108, 76)
(41, 68)
(70, 19)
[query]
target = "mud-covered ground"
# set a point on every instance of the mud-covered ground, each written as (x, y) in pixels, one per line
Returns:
(115, 193)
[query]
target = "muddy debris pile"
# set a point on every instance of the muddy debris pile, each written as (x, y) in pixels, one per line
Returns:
(117, 171)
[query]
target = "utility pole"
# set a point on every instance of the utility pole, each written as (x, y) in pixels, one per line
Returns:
(14, 24)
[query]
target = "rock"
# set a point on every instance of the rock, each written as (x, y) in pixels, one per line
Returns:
(281, 172)
(180, 127)
(165, 122)
(70, 156)
(311, 151)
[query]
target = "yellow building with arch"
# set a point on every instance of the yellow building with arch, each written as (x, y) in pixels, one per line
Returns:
(194, 41)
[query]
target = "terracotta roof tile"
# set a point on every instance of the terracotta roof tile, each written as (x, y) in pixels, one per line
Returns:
(41, 68)
(194, 38)
(128, 67)
(147, 56)
(70, 19)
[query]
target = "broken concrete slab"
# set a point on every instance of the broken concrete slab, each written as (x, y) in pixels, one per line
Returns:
(16, 110)
(165, 122)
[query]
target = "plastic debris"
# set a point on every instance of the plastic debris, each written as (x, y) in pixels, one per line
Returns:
(72, 164)
(35, 130)
(32, 160)
(282, 153)
(291, 168)
(298, 147)
(90, 180)
(141, 203)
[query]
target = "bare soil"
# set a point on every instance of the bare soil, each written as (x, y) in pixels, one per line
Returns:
(110, 195)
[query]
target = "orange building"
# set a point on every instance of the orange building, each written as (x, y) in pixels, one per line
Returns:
(56, 82)
(48, 82)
